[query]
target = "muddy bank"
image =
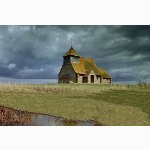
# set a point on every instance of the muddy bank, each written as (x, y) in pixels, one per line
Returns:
(12, 117)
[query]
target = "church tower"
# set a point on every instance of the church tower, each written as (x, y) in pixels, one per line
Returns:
(71, 57)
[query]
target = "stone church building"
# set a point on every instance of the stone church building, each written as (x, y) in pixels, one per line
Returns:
(77, 69)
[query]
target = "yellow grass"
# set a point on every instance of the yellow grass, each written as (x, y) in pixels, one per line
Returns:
(107, 104)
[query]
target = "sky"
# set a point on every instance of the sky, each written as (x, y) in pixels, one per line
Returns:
(35, 52)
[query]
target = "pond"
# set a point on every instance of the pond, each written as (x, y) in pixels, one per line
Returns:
(11, 117)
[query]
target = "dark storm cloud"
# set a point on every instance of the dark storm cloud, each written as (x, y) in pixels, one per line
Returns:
(36, 51)
(135, 31)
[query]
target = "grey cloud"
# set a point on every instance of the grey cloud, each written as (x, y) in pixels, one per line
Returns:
(36, 51)
(11, 66)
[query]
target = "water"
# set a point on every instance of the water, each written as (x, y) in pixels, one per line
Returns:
(44, 120)
(27, 81)
(11, 117)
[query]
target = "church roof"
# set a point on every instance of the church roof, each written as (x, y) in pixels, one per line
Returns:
(72, 52)
(86, 65)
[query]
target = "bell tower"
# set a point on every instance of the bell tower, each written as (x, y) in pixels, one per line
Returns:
(71, 57)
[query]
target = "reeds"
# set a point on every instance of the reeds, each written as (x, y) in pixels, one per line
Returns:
(9, 117)
(68, 88)
(105, 103)
(143, 84)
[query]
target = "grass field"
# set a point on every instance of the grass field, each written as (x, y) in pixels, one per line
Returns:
(106, 104)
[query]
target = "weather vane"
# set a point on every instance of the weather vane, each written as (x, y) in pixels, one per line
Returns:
(71, 42)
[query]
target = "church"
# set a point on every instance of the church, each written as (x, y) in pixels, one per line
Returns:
(77, 69)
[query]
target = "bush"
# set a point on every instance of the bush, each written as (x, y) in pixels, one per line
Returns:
(143, 84)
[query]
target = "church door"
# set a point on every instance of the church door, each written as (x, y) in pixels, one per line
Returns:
(92, 78)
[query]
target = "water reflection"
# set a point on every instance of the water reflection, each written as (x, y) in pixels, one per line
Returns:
(11, 117)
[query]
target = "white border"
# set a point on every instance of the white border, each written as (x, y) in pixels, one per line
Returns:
(74, 12)
(74, 138)
(77, 12)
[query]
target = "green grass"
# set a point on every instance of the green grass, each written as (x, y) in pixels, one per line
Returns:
(106, 104)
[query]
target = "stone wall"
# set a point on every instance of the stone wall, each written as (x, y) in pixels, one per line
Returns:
(80, 77)
(96, 79)
(106, 80)
(67, 74)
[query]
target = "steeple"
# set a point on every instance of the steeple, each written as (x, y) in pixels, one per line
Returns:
(71, 56)
(72, 52)
(71, 44)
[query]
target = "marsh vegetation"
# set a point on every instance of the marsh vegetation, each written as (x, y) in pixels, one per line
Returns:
(12, 117)
(106, 104)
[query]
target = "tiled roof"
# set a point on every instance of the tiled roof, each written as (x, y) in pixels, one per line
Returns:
(86, 65)
(72, 52)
